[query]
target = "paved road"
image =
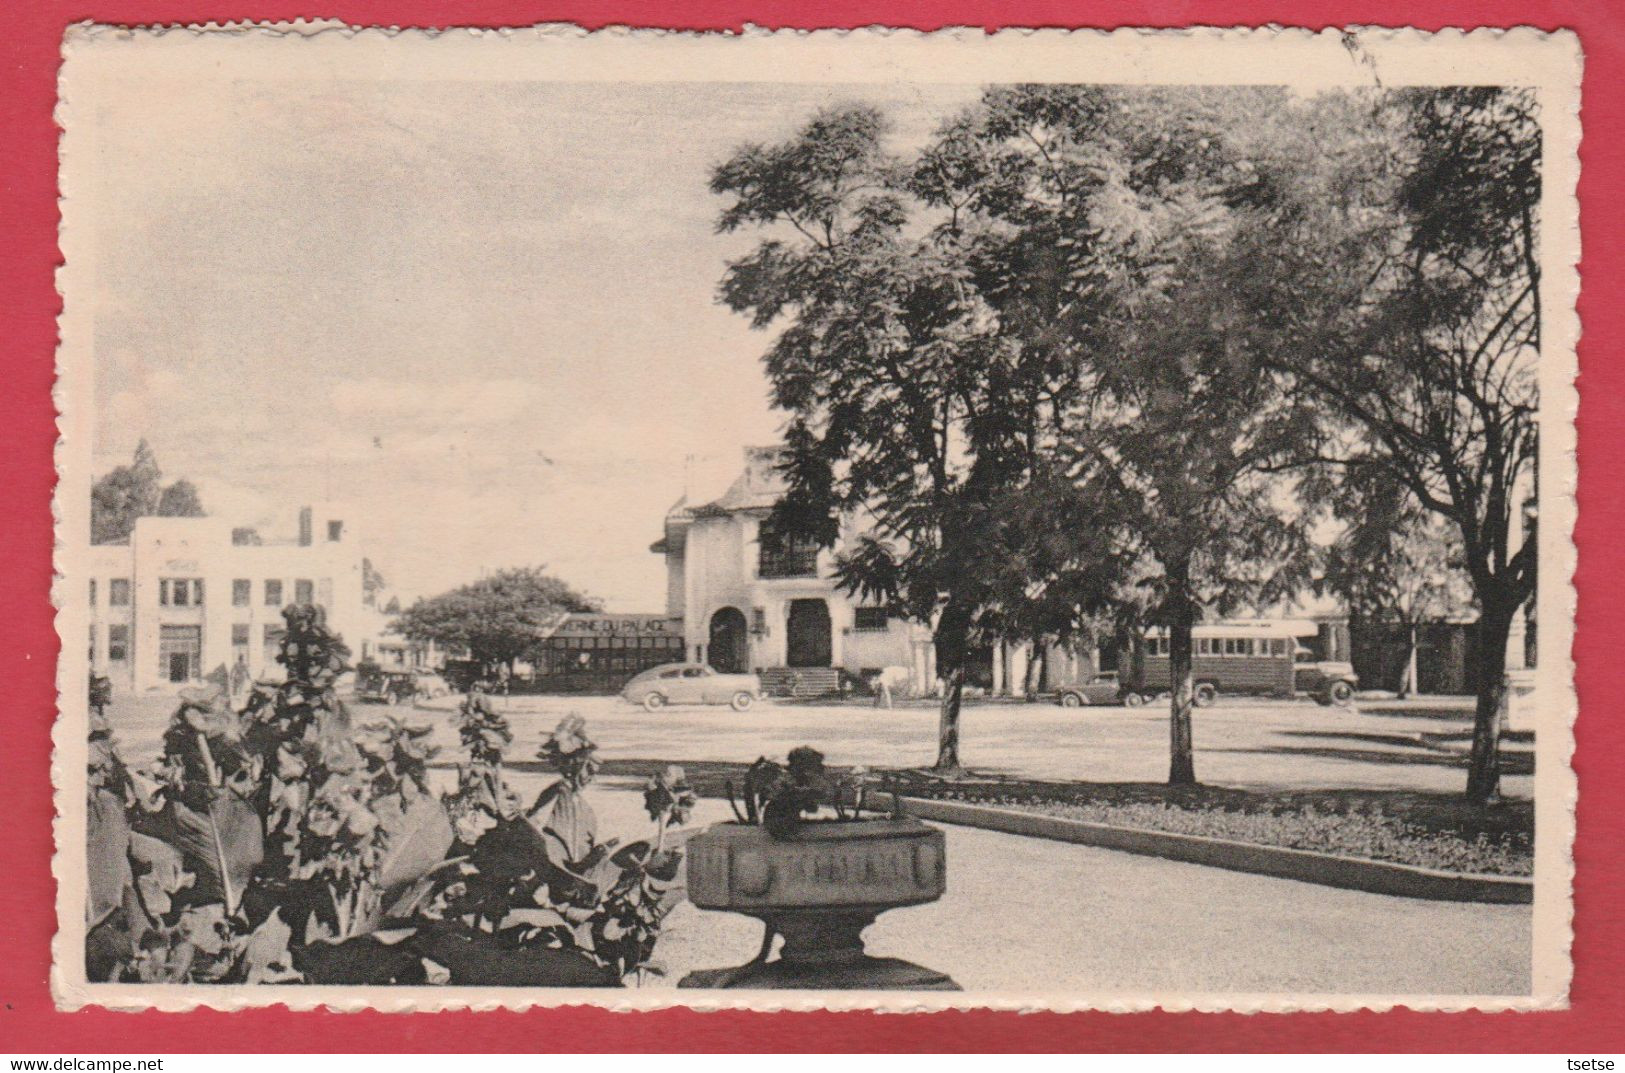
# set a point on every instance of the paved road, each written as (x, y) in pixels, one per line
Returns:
(1253, 744)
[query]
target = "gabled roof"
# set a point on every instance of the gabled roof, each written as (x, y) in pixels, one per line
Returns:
(757, 488)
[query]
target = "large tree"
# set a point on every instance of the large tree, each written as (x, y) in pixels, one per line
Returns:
(127, 493)
(180, 500)
(497, 619)
(1394, 564)
(909, 404)
(1124, 226)
(1409, 306)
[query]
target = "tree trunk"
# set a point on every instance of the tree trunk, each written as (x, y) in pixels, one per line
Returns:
(953, 691)
(1407, 684)
(1181, 684)
(953, 648)
(1035, 671)
(1484, 762)
(1136, 664)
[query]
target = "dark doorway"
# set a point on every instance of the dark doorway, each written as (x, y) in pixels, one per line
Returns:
(180, 649)
(729, 646)
(807, 634)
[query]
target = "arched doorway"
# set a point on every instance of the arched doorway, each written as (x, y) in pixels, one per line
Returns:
(729, 647)
(807, 634)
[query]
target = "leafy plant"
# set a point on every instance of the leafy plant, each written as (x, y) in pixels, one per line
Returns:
(277, 844)
(779, 796)
(483, 730)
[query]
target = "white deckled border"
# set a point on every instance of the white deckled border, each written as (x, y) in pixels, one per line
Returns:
(1212, 55)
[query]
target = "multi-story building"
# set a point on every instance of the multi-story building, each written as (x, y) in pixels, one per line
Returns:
(183, 600)
(749, 604)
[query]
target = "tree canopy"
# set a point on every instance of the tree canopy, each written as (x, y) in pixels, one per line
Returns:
(497, 619)
(135, 491)
(908, 399)
(1148, 208)
(1108, 354)
(1408, 306)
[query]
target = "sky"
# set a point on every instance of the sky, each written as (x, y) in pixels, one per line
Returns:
(480, 316)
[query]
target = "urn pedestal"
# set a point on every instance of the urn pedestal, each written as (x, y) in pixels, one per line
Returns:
(819, 889)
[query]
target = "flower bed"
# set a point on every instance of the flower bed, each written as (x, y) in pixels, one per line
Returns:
(1440, 831)
(1371, 836)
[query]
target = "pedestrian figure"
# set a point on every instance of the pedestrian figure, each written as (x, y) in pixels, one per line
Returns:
(239, 676)
(882, 690)
(101, 694)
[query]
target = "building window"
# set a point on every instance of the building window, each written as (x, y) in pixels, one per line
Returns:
(869, 618)
(304, 591)
(239, 635)
(118, 643)
(324, 592)
(92, 592)
(241, 589)
(786, 558)
(273, 594)
(180, 592)
(118, 592)
(93, 644)
(335, 531)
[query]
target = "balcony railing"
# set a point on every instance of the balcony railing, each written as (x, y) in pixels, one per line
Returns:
(795, 562)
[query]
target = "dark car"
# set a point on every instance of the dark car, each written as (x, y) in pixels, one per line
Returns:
(1102, 689)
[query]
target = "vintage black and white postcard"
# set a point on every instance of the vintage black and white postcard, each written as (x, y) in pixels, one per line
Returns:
(870, 519)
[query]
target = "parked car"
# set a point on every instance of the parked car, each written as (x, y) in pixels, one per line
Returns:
(1328, 681)
(431, 685)
(691, 683)
(384, 687)
(1101, 689)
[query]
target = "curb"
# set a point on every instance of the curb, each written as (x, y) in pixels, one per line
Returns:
(1306, 866)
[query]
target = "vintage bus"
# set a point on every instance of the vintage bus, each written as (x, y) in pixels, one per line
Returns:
(1261, 659)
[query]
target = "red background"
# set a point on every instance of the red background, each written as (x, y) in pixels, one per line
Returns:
(29, 36)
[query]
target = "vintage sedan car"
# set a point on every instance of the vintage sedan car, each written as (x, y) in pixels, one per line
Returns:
(1101, 689)
(692, 683)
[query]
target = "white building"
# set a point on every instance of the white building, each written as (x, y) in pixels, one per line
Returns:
(181, 600)
(750, 606)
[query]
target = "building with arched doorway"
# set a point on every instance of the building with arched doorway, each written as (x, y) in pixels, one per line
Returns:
(772, 608)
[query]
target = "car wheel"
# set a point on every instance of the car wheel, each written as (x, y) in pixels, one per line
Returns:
(1134, 700)
(653, 702)
(1071, 700)
(1340, 694)
(1205, 695)
(741, 701)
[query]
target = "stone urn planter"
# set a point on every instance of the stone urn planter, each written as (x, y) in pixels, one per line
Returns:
(819, 887)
